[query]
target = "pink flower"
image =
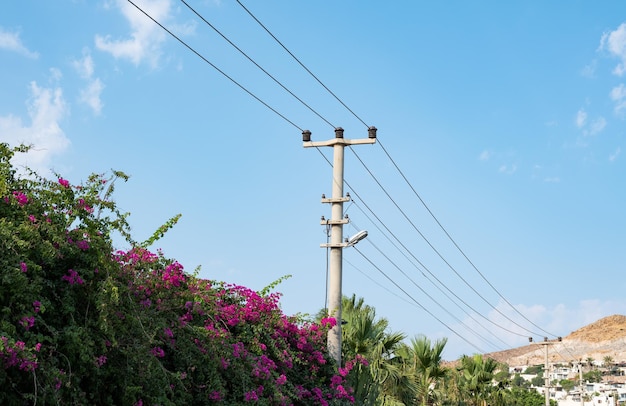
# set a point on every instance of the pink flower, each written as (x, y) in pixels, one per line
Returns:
(73, 277)
(37, 347)
(23, 267)
(82, 245)
(215, 395)
(36, 306)
(32, 218)
(101, 360)
(281, 379)
(158, 352)
(27, 322)
(64, 183)
(328, 321)
(21, 198)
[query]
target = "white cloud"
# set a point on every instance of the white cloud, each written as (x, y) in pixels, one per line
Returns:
(146, 37)
(581, 118)
(615, 43)
(589, 71)
(508, 169)
(46, 108)
(615, 154)
(592, 128)
(596, 126)
(618, 95)
(485, 155)
(12, 42)
(85, 66)
(90, 95)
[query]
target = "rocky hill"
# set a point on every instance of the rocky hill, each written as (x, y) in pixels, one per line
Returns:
(605, 337)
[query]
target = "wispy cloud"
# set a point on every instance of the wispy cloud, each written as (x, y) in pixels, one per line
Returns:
(589, 71)
(613, 157)
(596, 127)
(618, 95)
(508, 169)
(90, 94)
(589, 128)
(581, 118)
(146, 37)
(11, 41)
(615, 43)
(485, 155)
(46, 109)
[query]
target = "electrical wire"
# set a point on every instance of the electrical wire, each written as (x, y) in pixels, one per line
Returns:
(433, 247)
(255, 63)
(214, 66)
(438, 287)
(369, 240)
(454, 242)
(300, 63)
(418, 303)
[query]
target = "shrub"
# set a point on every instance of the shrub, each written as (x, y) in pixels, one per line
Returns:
(84, 323)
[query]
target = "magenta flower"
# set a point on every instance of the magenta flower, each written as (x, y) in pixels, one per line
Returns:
(281, 380)
(64, 183)
(36, 306)
(21, 198)
(101, 360)
(73, 277)
(215, 395)
(157, 352)
(27, 322)
(23, 267)
(328, 321)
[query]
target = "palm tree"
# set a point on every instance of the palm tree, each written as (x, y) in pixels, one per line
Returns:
(427, 366)
(365, 335)
(476, 375)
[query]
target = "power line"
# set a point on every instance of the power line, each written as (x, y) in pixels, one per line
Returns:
(255, 63)
(454, 242)
(433, 247)
(418, 303)
(430, 296)
(438, 287)
(300, 63)
(214, 66)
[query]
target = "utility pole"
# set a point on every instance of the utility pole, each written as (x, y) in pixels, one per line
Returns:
(336, 228)
(580, 372)
(546, 344)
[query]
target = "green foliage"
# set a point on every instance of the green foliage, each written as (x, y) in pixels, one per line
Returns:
(519, 382)
(567, 384)
(534, 369)
(593, 376)
(83, 323)
(538, 380)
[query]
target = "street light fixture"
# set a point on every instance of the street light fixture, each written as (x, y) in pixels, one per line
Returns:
(356, 238)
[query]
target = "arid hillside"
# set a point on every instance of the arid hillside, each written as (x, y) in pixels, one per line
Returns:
(605, 337)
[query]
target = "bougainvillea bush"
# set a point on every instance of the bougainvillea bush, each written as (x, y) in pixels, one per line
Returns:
(84, 323)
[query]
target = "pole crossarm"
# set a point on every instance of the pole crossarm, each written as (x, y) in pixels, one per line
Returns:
(338, 141)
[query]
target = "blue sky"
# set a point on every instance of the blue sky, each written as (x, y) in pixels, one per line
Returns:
(506, 118)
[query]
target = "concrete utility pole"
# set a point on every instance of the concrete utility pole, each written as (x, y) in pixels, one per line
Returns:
(336, 231)
(546, 344)
(580, 373)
